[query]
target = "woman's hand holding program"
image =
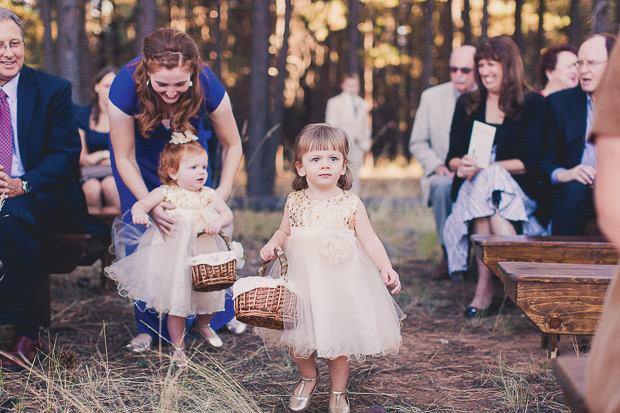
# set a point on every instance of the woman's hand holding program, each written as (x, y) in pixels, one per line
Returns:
(467, 169)
(391, 279)
(268, 252)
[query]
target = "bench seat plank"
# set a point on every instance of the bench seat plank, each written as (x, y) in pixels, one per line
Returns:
(492, 249)
(558, 298)
(571, 375)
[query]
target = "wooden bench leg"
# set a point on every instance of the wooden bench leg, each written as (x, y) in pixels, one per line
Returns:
(107, 284)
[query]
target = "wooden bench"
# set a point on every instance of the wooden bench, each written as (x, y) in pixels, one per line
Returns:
(61, 254)
(571, 375)
(492, 249)
(558, 298)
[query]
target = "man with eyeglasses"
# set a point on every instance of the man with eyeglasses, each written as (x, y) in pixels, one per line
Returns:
(39, 152)
(569, 163)
(430, 140)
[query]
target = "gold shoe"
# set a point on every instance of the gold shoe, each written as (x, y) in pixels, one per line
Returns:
(301, 403)
(338, 408)
(214, 340)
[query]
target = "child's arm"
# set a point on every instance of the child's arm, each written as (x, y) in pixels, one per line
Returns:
(140, 210)
(223, 220)
(375, 249)
(268, 252)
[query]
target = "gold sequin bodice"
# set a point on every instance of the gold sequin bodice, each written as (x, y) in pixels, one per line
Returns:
(195, 207)
(182, 198)
(337, 212)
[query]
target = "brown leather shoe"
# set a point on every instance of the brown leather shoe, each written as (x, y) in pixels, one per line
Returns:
(22, 353)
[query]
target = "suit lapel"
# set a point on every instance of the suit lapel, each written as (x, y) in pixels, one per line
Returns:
(578, 114)
(26, 96)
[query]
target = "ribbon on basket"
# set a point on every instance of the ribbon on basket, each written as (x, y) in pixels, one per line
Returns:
(265, 302)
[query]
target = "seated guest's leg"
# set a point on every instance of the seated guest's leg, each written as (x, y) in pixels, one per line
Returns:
(92, 193)
(483, 296)
(441, 203)
(21, 219)
(440, 187)
(20, 229)
(572, 208)
(110, 193)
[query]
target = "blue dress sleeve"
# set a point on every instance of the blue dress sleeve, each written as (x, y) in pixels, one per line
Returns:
(82, 117)
(123, 89)
(212, 88)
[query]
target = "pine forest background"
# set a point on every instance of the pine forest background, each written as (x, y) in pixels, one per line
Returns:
(280, 60)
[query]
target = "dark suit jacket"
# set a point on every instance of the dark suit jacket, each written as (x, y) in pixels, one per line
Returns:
(566, 122)
(521, 138)
(49, 146)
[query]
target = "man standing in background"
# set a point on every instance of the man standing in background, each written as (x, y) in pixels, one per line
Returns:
(430, 140)
(349, 112)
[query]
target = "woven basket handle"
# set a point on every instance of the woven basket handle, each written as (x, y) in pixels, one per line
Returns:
(283, 265)
(226, 239)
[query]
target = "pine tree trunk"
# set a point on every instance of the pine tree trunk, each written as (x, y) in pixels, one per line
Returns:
(85, 58)
(257, 157)
(68, 45)
(540, 34)
(428, 42)
(48, 43)
(146, 22)
(600, 16)
(518, 34)
(353, 64)
(466, 22)
(575, 23)
(485, 20)
(277, 115)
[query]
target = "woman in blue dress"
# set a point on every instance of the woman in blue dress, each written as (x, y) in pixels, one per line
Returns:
(166, 89)
(94, 127)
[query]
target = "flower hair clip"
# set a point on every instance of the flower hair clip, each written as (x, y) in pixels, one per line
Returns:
(182, 137)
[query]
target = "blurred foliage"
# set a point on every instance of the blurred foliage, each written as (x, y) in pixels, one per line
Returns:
(391, 48)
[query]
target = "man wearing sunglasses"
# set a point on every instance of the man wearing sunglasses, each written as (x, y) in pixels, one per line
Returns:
(430, 139)
(569, 163)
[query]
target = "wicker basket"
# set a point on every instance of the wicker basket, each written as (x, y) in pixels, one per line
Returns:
(207, 277)
(265, 306)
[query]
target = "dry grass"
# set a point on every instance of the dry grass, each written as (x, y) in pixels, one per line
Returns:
(446, 363)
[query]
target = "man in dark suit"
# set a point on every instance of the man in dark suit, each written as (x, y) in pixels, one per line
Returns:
(39, 152)
(569, 163)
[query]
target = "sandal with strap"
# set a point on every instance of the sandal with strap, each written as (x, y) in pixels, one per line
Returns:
(338, 408)
(301, 403)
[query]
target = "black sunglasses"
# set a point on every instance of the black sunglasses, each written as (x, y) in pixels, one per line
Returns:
(464, 70)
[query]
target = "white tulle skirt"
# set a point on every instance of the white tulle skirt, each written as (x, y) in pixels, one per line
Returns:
(158, 271)
(343, 307)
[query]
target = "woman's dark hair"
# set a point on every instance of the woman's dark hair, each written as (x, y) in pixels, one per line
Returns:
(168, 48)
(549, 60)
(513, 87)
(95, 110)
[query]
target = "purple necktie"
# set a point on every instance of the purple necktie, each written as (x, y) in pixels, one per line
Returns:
(6, 134)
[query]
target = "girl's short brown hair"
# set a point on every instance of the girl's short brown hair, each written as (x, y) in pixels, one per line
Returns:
(321, 137)
(171, 157)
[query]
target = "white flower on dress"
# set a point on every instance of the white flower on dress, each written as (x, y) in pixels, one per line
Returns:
(336, 248)
(237, 248)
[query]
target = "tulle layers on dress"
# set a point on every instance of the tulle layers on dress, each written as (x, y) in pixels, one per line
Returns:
(343, 307)
(158, 272)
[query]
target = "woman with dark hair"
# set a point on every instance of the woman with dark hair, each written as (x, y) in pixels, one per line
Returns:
(557, 69)
(166, 89)
(498, 199)
(94, 127)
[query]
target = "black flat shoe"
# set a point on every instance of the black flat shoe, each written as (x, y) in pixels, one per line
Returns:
(471, 312)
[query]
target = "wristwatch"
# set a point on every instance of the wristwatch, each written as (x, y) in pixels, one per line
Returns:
(26, 187)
